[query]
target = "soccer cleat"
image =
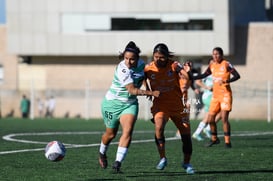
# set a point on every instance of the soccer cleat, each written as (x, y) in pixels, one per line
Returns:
(198, 137)
(162, 164)
(210, 143)
(207, 133)
(228, 145)
(103, 161)
(116, 167)
(188, 168)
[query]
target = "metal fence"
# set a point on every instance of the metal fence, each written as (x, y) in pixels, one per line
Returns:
(81, 99)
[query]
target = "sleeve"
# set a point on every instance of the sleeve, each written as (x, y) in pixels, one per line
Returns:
(235, 74)
(124, 76)
(229, 67)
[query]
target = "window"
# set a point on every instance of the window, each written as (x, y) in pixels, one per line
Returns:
(82, 23)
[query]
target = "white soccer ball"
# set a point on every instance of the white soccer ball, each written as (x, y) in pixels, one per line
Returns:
(55, 151)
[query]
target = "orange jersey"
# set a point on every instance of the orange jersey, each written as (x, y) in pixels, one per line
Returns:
(165, 80)
(222, 94)
(220, 72)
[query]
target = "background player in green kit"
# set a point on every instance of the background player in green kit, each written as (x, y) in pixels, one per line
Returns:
(206, 84)
(120, 104)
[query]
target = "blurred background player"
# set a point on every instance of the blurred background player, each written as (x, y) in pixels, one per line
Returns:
(206, 84)
(25, 106)
(197, 103)
(221, 101)
(120, 105)
(164, 74)
(184, 86)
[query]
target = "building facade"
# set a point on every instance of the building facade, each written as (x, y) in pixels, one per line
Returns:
(69, 48)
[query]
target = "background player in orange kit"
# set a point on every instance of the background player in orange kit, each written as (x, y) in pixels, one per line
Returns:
(164, 74)
(220, 69)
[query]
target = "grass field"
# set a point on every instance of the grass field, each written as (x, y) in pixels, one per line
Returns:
(22, 157)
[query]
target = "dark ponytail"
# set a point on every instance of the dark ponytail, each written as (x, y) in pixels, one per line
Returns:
(130, 47)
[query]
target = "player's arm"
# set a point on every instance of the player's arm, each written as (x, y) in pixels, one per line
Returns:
(200, 83)
(139, 92)
(203, 75)
(235, 75)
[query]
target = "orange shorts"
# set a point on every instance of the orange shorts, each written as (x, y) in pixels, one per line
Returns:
(218, 103)
(180, 119)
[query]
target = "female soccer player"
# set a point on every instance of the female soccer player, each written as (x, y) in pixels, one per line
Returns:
(120, 105)
(220, 69)
(166, 75)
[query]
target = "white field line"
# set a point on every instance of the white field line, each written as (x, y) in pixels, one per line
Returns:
(10, 137)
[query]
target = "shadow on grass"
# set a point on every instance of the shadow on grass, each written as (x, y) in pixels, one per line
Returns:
(234, 171)
(152, 174)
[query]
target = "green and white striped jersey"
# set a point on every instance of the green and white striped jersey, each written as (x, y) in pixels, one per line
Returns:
(208, 81)
(122, 77)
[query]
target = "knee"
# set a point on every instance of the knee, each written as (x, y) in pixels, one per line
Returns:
(109, 136)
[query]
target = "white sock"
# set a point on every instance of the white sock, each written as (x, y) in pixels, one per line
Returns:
(121, 153)
(207, 127)
(200, 127)
(103, 148)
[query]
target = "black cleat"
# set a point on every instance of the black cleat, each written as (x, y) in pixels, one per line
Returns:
(116, 167)
(103, 160)
(228, 145)
(210, 143)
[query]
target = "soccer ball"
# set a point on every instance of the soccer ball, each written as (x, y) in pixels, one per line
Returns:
(55, 151)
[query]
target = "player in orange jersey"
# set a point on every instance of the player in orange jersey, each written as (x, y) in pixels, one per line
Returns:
(221, 101)
(164, 74)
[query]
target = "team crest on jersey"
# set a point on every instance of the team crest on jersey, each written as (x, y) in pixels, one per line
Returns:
(170, 73)
(152, 76)
(123, 71)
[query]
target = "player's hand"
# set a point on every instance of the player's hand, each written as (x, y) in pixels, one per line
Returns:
(197, 91)
(221, 82)
(208, 88)
(187, 66)
(156, 93)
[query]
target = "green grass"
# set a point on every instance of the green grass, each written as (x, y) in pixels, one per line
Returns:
(249, 159)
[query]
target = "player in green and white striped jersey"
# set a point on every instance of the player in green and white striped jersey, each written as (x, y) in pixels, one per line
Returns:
(120, 105)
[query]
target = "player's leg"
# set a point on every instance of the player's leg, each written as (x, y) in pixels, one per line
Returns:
(160, 120)
(127, 122)
(183, 125)
(106, 139)
(111, 121)
(197, 134)
(206, 100)
(226, 128)
(214, 109)
(225, 109)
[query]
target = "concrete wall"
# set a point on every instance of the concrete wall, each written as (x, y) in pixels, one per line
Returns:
(34, 27)
(8, 88)
(68, 82)
(34, 30)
